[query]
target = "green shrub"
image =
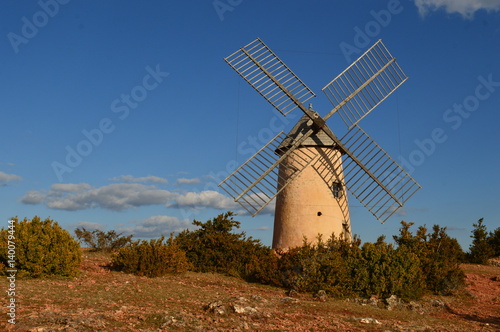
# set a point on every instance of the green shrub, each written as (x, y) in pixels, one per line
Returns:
(344, 268)
(494, 241)
(215, 248)
(439, 255)
(43, 249)
(152, 258)
(312, 268)
(98, 240)
(383, 271)
(483, 244)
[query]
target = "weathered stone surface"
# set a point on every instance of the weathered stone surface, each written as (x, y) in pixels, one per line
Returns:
(437, 303)
(393, 302)
(288, 299)
(216, 307)
(367, 320)
(243, 310)
(321, 296)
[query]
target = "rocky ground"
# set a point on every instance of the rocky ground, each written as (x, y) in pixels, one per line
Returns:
(103, 300)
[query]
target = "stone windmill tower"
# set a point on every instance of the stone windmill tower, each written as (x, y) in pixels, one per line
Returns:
(309, 169)
(316, 201)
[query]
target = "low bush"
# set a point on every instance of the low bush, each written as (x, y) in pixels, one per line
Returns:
(154, 258)
(440, 257)
(42, 249)
(98, 240)
(383, 271)
(346, 269)
(312, 268)
(215, 248)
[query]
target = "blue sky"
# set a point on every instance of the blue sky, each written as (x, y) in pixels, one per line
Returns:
(123, 115)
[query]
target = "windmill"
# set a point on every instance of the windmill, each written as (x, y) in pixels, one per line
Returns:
(309, 169)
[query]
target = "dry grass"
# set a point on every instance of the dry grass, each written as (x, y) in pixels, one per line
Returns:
(104, 300)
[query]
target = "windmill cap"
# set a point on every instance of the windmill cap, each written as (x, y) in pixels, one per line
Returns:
(320, 139)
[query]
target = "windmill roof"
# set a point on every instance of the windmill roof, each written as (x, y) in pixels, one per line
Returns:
(320, 138)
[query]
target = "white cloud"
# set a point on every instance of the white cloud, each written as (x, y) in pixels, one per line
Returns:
(72, 187)
(33, 197)
(122, 196)
(117, 197)
(263, 228)
(88, 225)
(4, 177)
(144, 179)
(466, 8)
(188, 181)
(157, 225)
(208, 198)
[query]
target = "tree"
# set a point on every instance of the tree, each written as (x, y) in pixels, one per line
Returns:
(439, 257)
(98, 240)
(215, 248)
(494, 241)
(481, 249)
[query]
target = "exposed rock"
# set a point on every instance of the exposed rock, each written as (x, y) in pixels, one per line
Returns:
(367, 320)
(288, 299)
(494, 261)
(258, 298)
(437, 303)
(240, 299)
(321, 296)
(370, 321)
(179, 319)
(414, 306)
(373, 301)
(292, 293)
(172, 321)
(415, 328)
(393, 302)
(216, 307)
(243, 310)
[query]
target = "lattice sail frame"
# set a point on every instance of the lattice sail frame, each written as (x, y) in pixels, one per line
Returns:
(383, 190)
(364, 84)
(255, 183)
(397, 185)
(269, 76)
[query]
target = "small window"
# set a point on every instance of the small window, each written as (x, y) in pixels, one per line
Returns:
(337, 189)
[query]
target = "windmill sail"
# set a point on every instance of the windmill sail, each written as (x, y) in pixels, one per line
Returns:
(255, 183)
(369, 173)
(386, 186)
(364, 84)
(269, 76)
